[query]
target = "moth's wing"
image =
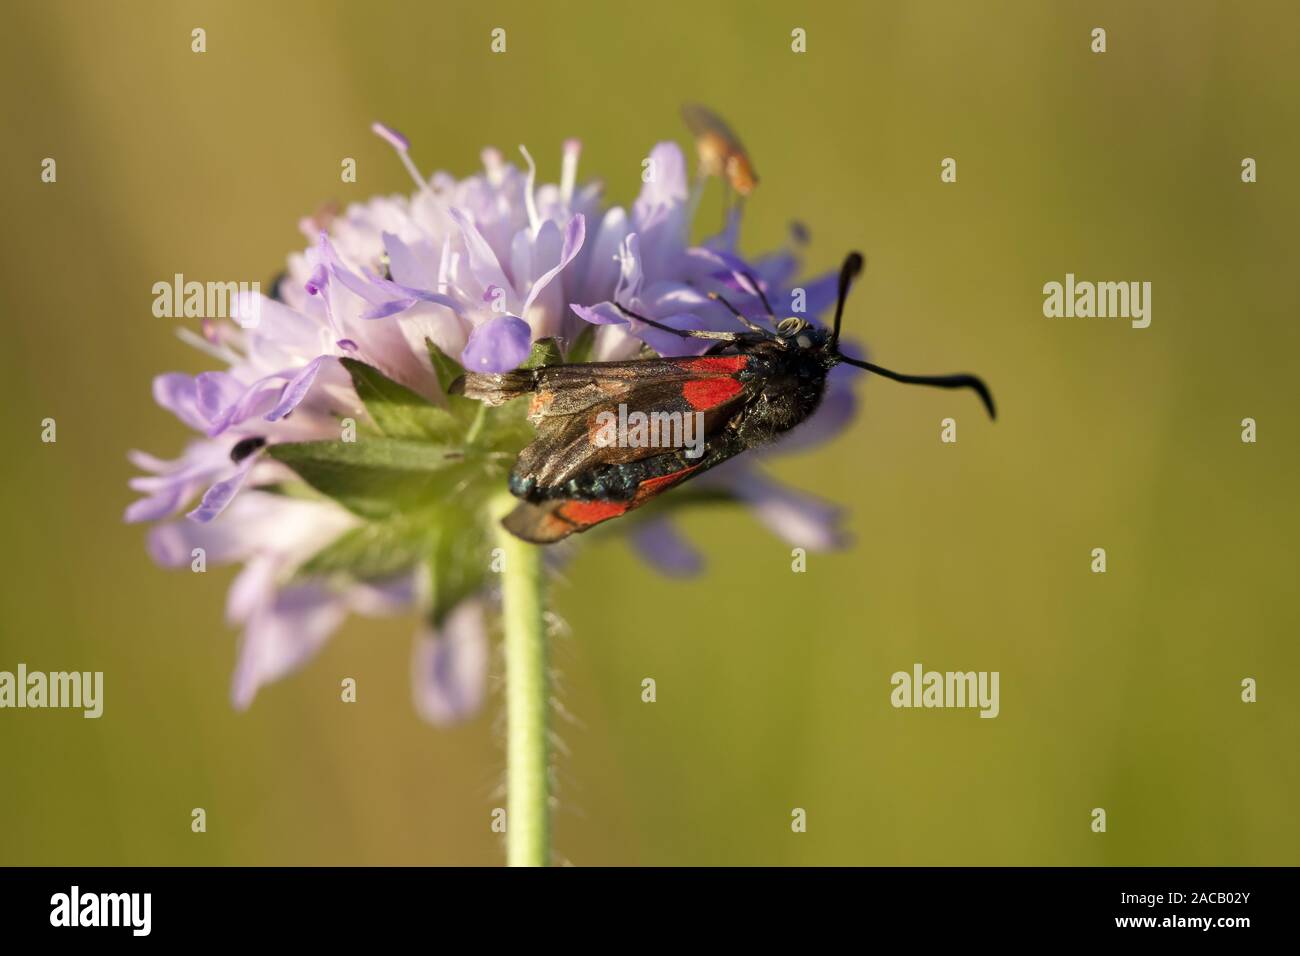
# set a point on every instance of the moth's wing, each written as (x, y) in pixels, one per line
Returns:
(569, 389)
(571, 401)
(567, 446)
(703, 122)
(566, 402)
(585, 383)
(550, 521)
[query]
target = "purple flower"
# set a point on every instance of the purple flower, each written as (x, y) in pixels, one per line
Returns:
(449, 668)
(482, 268)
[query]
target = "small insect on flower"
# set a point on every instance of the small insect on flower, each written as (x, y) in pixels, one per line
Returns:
(721, 152)
(748, 388)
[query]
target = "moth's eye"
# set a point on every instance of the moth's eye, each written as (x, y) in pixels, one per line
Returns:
(803, 341)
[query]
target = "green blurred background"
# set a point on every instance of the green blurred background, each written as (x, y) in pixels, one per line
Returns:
(1119, 691)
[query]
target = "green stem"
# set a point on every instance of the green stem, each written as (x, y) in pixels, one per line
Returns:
(528, 826)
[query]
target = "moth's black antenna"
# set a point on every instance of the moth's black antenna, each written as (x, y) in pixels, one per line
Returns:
(939, 381)
(848, 272)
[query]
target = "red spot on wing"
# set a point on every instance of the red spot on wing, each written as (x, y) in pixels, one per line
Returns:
(653, 486)
(585, 513)
(544, 526)
(718, 364)
(706, 393)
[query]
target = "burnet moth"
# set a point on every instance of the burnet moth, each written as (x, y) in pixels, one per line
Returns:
(749, 388)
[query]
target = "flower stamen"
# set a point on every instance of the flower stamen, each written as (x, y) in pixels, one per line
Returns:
(569, 169)
(530, 201)
(218, 351)
(402, 146)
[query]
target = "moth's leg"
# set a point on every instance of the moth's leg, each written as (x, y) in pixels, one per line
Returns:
(683, 333)
(762, 296)
(743, 320)
(724, 337)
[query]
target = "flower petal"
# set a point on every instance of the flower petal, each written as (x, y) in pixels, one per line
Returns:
(483, 262)
(667, 187)
(157, 506)
(282, 636)
(177, 392)
(602, 313)
(256, 521)
(391, 307)
(498, 345)
(575, 233)
(405, 266)
(801, 519)
(222, 493)
(449, 669)
(602, 263)
(660, 544)
(215, 392)
(253, 587)
(297, 389)
(260, 395)
(173, 483)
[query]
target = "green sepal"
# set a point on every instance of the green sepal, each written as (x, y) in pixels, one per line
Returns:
(397, 411)
(377, 477)
(583, 345)
(447, 370)
(376, 549)
(458, 560)
(544, 352)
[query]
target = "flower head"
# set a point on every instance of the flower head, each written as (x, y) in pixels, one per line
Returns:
(334, 464)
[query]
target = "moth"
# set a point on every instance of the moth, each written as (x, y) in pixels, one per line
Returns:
(747, 389)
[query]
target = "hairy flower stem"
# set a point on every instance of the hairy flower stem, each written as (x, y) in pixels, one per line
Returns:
(528, 825)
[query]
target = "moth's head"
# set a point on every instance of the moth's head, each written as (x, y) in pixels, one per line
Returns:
(801, 336)
(794, 332)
